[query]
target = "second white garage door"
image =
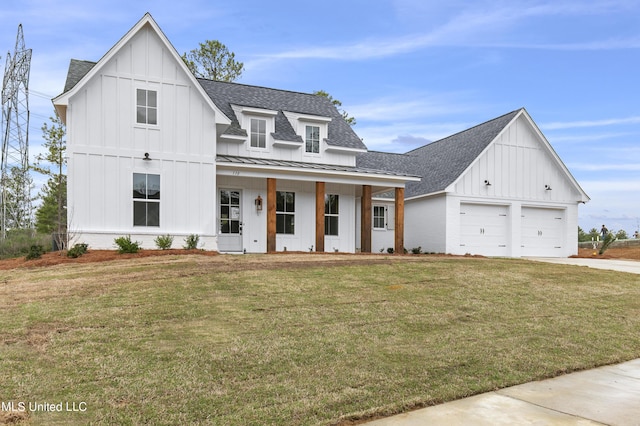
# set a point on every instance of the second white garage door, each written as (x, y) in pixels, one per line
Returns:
(484, 229)
(542, 231)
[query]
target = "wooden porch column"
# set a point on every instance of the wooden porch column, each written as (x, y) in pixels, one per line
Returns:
(365, 222)
(399, 221)
(319, 216)
(271, 215)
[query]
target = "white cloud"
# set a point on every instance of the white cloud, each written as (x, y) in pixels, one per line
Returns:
(591, 123)
(415, 106)
(586, 138)
(601, 167)
(631, 186)
(479, 26)
(394, 137)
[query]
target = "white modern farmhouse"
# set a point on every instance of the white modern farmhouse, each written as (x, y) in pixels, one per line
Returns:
(152, 150)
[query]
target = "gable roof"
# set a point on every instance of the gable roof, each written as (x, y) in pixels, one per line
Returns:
(225, 94)
(82, 71)
(439, 163)
(77, 70)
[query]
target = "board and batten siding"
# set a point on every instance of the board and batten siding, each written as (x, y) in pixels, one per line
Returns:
(518, 166)
(425, 224)
(106, 147)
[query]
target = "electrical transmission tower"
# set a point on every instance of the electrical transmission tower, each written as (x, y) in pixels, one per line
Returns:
(15, 179)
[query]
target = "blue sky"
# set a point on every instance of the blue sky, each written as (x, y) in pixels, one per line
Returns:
(410, 71)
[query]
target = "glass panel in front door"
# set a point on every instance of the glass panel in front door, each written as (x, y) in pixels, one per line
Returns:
(230, 217)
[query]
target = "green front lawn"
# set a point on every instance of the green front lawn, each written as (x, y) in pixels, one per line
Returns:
(254, 340)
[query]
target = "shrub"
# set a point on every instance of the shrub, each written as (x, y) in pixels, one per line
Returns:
(164, 242)
(35, 252)
(77, 250)
(191, 242)
(416, 250)
(125, 245)
(390, 250)
(607, 242)
(19, 241)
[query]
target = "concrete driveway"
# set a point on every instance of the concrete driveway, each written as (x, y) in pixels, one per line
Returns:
(603, 396)
(630, 266)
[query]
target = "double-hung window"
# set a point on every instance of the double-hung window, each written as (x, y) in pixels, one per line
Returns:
(146, 106)
(312, 139)
(331, 214)
(258, 133)
(285, 212)
(146, 199)
(379, 217)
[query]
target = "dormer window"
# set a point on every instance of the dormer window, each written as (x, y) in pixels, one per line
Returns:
(312, 139)
(258, 133)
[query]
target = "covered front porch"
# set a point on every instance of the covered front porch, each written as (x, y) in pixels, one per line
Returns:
(269, 206)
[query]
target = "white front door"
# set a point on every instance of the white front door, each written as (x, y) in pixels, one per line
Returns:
(230, 220)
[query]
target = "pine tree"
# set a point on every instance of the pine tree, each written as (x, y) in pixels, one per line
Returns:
(51, 216)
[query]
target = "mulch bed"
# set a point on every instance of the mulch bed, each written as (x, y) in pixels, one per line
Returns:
(56, 258)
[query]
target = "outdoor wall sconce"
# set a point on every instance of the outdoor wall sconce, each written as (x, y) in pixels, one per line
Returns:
(146, 157)
(547, 187)
(258, 203)
(486, 182)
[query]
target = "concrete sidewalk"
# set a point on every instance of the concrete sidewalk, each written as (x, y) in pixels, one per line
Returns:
(630, 266)
(606, 395)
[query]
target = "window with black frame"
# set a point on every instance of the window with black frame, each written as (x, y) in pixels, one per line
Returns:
(331, 209)
(146, 199)
(285, 212)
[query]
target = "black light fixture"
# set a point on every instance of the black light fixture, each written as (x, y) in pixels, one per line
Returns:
(547, 187)
(146, 157)
(486, 182)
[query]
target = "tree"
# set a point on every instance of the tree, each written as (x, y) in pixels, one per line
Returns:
(17, 191)
(593, 234)
(51, 216)
(338, 105)
(622, 235)
(583, 236)
(213, 60)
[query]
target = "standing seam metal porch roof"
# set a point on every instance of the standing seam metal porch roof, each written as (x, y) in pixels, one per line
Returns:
(286, 164)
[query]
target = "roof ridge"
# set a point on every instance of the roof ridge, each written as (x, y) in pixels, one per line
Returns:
(386, 153)
(255, 86)
(467, 130)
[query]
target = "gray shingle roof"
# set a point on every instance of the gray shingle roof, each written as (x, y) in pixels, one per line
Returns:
(225, 94)
(439, 163)
(77, 70)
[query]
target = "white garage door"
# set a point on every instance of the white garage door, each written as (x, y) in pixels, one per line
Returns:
(542, 231)
(484, 229)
